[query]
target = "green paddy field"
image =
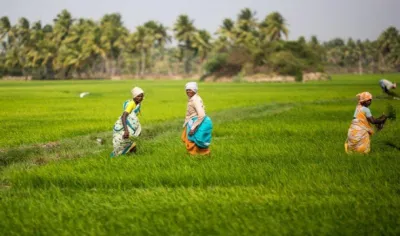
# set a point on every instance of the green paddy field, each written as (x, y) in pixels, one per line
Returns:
(277, 166)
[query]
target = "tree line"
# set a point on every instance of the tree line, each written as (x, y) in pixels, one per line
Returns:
(84, 48)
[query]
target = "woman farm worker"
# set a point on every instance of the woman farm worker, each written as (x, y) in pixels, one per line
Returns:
(198, 126)
(360, 129)
(386, 85)
(128, 124)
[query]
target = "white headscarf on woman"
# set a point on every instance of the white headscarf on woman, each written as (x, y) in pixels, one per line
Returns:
(136, 91)
(192, 86)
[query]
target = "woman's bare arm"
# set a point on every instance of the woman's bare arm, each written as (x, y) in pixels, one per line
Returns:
(376, 121)
(123, 119)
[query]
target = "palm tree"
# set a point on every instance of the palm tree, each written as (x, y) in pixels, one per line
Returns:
(112, 34)
(17, 38)
(143, 40)
(130, 54)
(227, 29)
(6, 32)
(202, 46)
(335, 56)
(317, 48)
(370, 54)
(350, 55)
(80, 47)
(62, 25)
(301, 40)
(387, 43)
(6, 41)
(21, 45)
(32, 55)
(360, 53)
(160, 33)
(160, 37)
(41, 50)
(314, 42)
(274, 25)
(226, 34)
(48, 50)
(245, 31)
(246, 20)
(186, 34)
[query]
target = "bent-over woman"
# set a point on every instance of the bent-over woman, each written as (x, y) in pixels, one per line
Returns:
(197, 126)
(358, 136)
(386, 85)
(128, 124)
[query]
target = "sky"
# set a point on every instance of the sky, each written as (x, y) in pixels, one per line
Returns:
(327, 19)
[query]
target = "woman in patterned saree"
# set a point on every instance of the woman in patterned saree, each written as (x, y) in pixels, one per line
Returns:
(358, 136)
(128, 124)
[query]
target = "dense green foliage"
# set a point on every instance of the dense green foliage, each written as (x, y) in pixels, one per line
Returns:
(83, 48)
(277, 166)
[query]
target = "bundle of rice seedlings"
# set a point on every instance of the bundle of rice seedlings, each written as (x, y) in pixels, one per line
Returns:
(391, 112)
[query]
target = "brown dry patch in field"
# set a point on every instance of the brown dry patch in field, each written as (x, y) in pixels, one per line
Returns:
(49, 145)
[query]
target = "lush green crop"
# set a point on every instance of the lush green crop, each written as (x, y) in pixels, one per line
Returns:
(277, 166)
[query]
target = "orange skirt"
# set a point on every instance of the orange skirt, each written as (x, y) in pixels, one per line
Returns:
(191, 146)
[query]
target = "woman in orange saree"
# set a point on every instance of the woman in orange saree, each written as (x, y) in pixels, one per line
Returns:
(358, 136)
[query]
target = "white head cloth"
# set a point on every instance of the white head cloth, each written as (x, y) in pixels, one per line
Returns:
(136, 91)
(192, 86)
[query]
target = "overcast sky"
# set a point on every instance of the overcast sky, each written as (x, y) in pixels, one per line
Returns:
(360, 19)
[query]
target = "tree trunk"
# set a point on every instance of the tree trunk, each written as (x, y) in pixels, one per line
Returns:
(49, 72)
(187, 57)
(115, 67)
(168, 65)
(382, 62)
(108, 66)
(149, 57)
(91, 72)
(137, 69)
(104, 67)
(187, 64)
(199, 67)
(143, 62)
(66, 74)
(112, 66)
(360, 68)
(24, 74)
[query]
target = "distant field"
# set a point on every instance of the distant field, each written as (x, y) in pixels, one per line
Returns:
(277, 167)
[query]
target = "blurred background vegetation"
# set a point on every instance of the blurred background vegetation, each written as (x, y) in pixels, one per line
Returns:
(245, 46)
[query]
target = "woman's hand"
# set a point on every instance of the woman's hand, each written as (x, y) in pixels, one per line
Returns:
(192, 132)
(123, 119)
(380, 120)
(126, 134)
(379, 126)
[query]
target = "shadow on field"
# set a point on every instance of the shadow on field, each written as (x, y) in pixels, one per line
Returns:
(390, 144)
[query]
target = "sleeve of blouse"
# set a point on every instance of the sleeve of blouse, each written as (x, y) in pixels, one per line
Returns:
(367, 111)
(129, 108)
(198, 105)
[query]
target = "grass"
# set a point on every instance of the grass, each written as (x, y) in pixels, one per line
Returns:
(277, 167)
